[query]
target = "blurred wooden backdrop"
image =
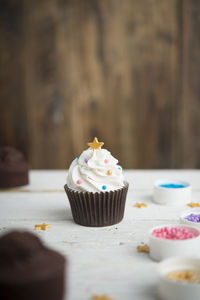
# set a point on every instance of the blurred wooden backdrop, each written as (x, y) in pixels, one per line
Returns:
(126, 71)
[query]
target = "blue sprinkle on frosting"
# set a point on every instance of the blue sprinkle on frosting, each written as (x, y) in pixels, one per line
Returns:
(78, 157)
(119, 168)
(104, 187)
(172, 185)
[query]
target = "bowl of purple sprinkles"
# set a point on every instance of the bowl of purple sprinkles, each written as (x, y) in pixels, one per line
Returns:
(191, 217)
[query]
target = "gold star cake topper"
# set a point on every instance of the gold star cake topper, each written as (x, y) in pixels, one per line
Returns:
(96, 145)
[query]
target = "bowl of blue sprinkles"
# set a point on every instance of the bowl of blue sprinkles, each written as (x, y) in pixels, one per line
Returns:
(171, 192)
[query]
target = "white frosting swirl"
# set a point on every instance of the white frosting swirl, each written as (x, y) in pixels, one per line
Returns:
(95, 171)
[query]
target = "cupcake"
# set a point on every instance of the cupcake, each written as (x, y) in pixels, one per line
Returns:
(96, 188)
(13, 168)
(28, 269)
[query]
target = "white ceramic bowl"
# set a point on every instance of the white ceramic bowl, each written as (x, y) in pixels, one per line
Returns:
(164, 248)
(186, 213)
(169, 289)
(171, 196)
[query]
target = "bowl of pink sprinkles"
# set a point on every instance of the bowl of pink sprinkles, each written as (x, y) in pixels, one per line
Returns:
(174, 233)
(173, 240)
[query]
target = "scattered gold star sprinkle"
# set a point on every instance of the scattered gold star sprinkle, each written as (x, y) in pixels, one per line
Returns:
(183, 275)
(103, 297)
(109, 172)
(143, 248)
(193, 204)
(42, 226)
(140, 205)
(95, 144)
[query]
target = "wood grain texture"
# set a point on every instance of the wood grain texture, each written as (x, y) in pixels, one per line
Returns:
(109, 68)
(191, 84)
(13, 121)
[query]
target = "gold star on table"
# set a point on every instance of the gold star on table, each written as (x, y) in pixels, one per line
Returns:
(103, 297)
(193, 204)
(96, 145)
(143, 248)
(140, 205)
(42, 226)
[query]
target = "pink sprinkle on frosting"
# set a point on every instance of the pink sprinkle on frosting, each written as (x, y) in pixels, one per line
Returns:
(106, 161)
(174, 233)
(79, 181)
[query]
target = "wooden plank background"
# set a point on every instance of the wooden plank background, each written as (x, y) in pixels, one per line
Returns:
(126, 71)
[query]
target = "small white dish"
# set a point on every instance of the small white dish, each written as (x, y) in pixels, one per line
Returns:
(170, 195)
(186, 213)
(164, 248)
(170, 289)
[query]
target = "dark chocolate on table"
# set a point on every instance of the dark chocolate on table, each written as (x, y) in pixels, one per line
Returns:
(13, 168)
(29, 270)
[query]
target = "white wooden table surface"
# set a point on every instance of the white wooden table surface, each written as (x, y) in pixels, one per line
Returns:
(98, 264)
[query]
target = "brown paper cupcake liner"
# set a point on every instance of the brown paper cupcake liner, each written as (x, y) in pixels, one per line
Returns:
(97, 209)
